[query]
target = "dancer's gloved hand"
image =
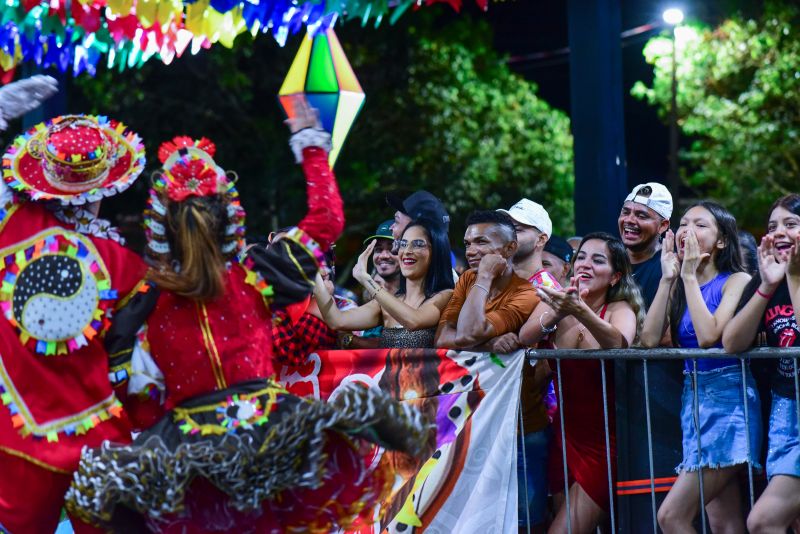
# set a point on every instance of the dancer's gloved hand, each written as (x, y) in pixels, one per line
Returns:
(305, 116)
(18, 98)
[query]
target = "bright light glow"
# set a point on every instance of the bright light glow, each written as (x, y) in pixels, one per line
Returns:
(685, 35)
(673, 16)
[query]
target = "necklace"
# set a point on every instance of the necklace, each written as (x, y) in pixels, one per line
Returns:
(416, 305)
(582, 328)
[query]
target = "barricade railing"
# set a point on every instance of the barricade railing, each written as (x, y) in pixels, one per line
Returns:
(645, 355)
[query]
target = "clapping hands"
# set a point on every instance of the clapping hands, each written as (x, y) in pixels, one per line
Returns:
(793, 262)
(568, 301)
(770, 266)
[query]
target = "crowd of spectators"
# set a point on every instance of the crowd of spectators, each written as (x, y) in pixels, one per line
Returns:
(708, 284)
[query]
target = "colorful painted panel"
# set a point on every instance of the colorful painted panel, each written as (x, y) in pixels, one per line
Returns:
(473, 399)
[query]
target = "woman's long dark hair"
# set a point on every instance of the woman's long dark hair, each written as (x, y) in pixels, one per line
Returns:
(727, 260)
(195, 230)
(790, 203)
(626, 289)
(440, 270)
(749, 247)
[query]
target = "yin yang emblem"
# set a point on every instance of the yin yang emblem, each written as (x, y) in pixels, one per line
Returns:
(55, 297)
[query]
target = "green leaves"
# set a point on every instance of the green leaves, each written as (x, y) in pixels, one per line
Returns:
(739, 102)
(443, 113)
(472, 132)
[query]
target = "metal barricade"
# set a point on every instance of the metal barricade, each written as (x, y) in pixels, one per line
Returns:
(645, 355)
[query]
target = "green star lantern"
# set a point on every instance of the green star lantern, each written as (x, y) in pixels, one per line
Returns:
(321, 73)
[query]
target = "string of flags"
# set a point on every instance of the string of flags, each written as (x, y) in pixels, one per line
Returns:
(79, 35)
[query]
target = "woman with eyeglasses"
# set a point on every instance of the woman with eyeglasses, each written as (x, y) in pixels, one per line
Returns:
(410, 316)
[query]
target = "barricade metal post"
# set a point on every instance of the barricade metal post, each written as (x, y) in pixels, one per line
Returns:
(696, 403)
(650, 446)
(608, 447)
(563, 445)
(524, 463)
(664, 354)
(747, 434)
(797, 395)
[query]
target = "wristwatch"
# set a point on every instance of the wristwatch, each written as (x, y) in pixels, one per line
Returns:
(346, 340)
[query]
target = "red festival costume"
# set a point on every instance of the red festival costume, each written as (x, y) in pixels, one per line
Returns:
(235, 450)
(62, 276)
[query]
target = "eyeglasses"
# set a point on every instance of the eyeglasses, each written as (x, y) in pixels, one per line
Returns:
(416, 244)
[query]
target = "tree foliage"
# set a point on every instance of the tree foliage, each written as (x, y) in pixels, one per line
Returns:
(739, 103)
(443, 112)
(468, 129)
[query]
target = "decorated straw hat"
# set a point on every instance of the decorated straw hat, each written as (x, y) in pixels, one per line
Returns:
(74, 159)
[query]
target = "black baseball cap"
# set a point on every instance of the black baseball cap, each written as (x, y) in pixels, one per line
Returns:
(558, 247)
(421, 205)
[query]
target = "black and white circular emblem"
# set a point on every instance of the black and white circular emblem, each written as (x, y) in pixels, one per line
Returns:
(56, 292)
(54, 298)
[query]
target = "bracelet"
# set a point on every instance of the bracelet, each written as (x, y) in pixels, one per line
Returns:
(546, 330)
(764, 295)
(480, 286)
(346, 341)
(375, 295)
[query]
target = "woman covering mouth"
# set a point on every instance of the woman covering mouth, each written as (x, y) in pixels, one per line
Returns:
(700, 286)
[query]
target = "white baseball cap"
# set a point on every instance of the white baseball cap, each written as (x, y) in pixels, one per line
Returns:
(653, 195)
(530, 213)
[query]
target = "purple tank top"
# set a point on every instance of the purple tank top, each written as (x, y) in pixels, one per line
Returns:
(712, 296)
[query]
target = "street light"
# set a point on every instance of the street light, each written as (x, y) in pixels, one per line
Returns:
(674, 16)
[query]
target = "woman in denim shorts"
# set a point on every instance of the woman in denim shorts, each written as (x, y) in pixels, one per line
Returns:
(768, 308)
(700, 286)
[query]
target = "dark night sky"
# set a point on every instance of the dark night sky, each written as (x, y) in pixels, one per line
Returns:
(524, 27)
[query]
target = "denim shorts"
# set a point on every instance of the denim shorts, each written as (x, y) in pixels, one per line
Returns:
(724, 438)
(783, 456)
(536, 446)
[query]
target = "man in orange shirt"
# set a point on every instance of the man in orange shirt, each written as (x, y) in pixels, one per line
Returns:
(490, 303)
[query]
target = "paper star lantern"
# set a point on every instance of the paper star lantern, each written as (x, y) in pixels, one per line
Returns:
(321, 72)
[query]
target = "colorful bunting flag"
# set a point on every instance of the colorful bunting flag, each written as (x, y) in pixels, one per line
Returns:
(75, 36)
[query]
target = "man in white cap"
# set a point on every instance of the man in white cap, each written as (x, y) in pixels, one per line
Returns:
(534, 228)
(644, 217)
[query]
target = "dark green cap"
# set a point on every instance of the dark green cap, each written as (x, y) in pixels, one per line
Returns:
(383, 231)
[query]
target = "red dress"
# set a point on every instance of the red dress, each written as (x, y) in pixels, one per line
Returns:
(236, 452)
(59, 289)
(581, 397)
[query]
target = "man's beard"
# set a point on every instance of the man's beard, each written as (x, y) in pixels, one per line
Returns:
(522, 255)
(642, 246)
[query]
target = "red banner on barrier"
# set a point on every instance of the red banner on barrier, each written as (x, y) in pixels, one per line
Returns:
(469, 482)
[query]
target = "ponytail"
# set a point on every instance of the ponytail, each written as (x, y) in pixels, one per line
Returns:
(195, 231)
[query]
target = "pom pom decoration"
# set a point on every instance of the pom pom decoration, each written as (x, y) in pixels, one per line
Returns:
(320, 72)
